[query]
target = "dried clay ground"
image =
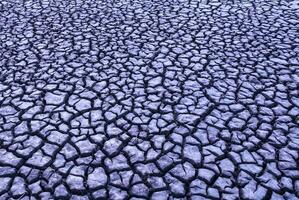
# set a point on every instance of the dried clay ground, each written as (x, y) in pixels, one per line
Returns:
(149, 99)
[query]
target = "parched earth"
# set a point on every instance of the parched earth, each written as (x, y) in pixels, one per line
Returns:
(149, 99)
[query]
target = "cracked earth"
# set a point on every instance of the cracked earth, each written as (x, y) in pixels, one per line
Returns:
(149, 99)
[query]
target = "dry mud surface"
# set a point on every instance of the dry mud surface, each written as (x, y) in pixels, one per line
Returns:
(149, 99)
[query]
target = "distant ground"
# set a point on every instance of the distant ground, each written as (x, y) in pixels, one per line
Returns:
(140, 99)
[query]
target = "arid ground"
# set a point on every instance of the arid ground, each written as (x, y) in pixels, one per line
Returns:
(149, 99)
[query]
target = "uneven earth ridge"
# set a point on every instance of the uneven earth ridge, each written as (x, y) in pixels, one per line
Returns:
(149, 99)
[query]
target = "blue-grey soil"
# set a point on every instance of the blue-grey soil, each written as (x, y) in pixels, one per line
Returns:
(149, 99)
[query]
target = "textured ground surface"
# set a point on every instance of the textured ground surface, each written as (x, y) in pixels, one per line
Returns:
(158, 99)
